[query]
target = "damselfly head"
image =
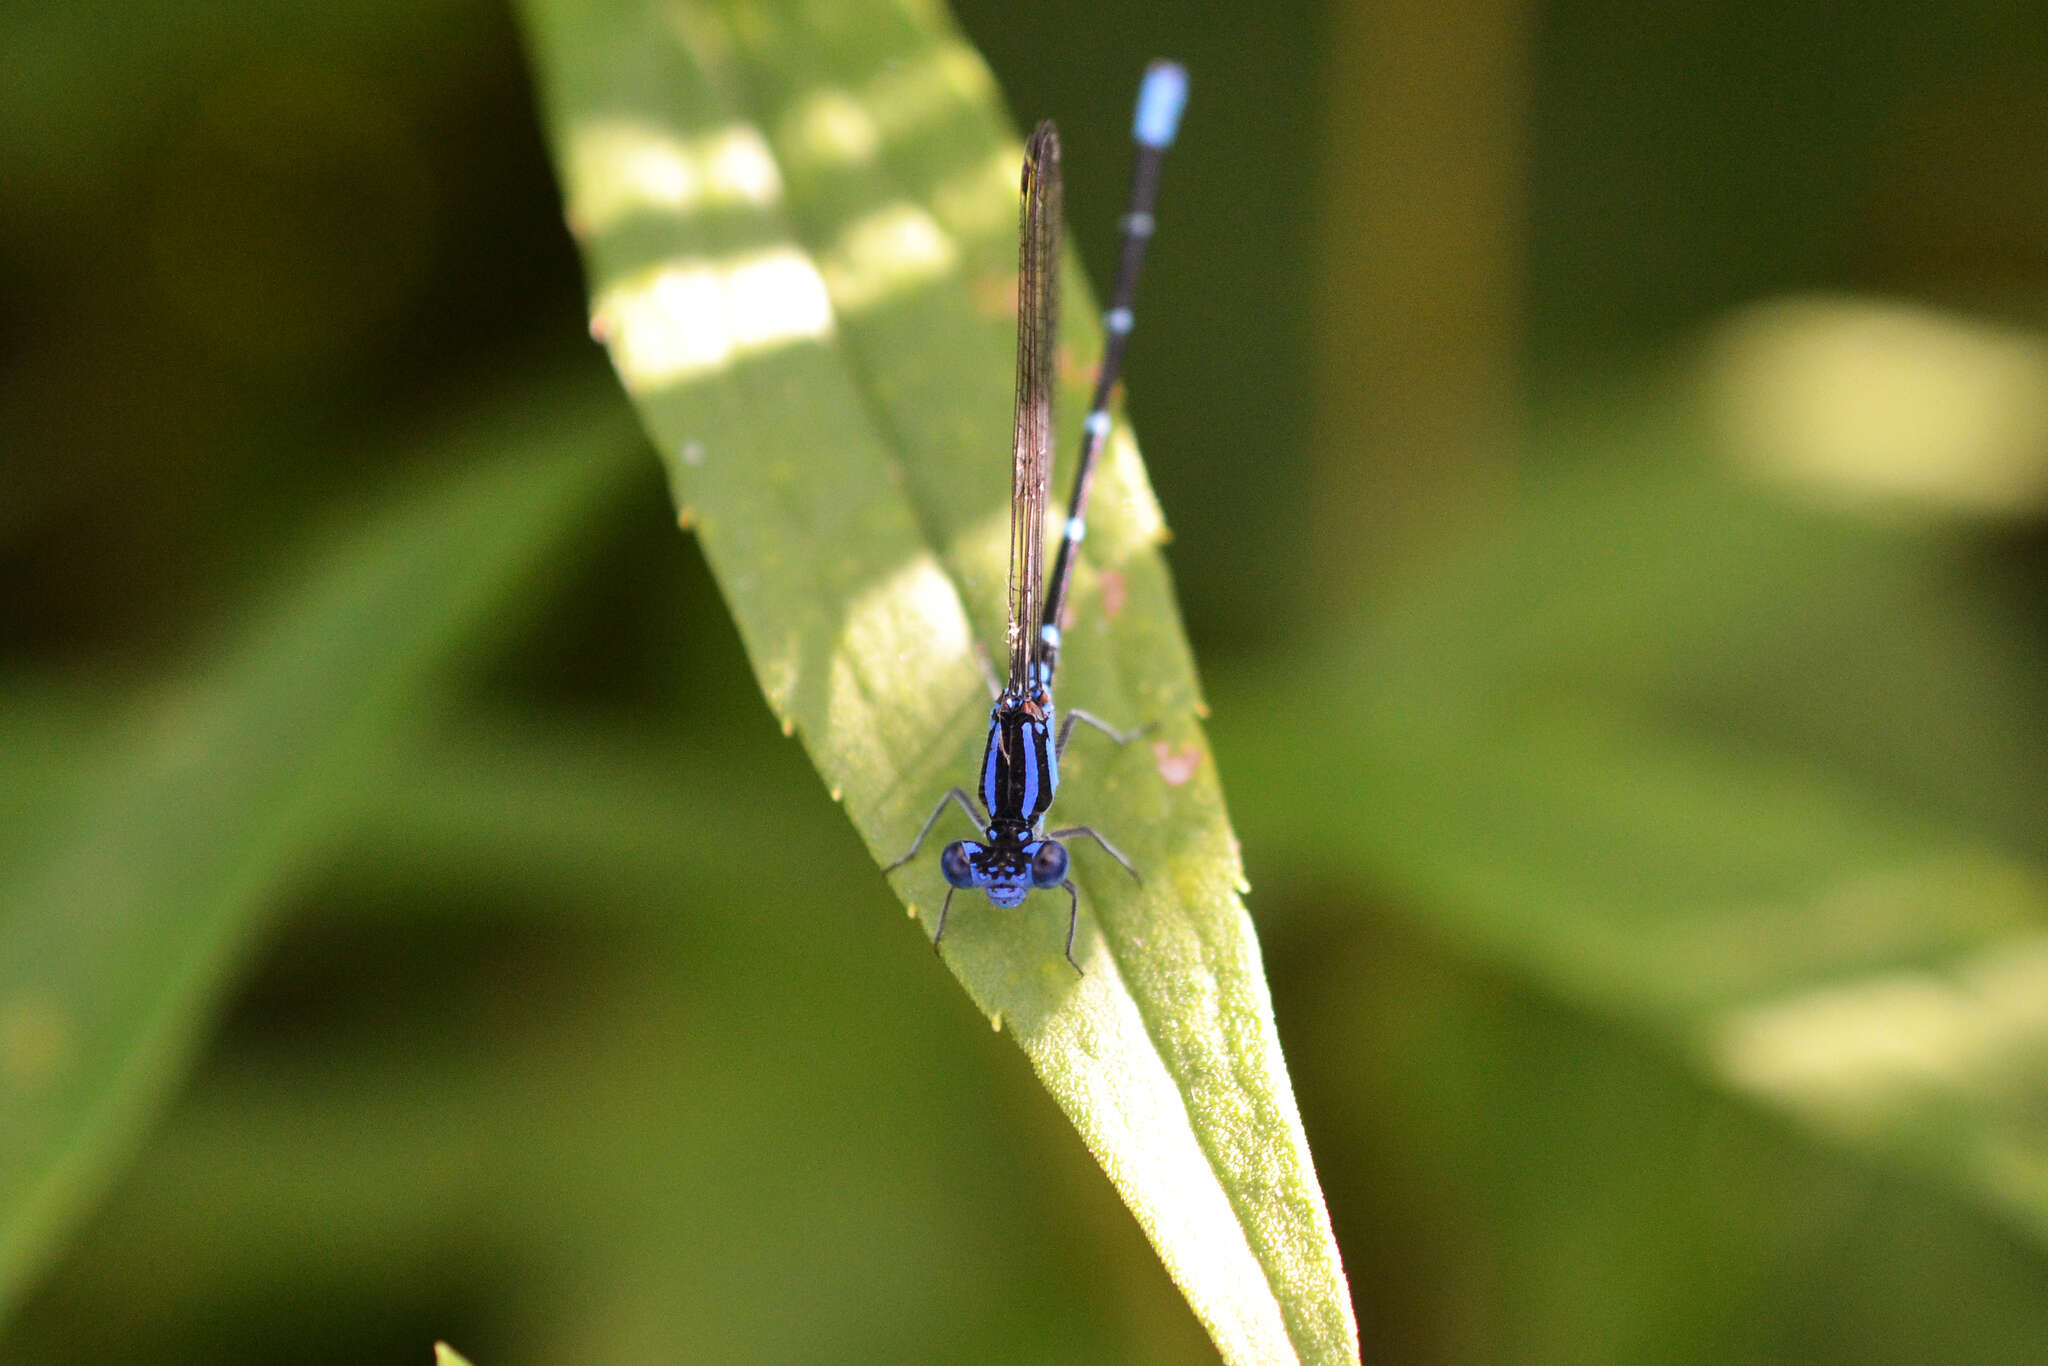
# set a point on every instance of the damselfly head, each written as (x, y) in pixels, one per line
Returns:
(1007, 868)
(1004, 862)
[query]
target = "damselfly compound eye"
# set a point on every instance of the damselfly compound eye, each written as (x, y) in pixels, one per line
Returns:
(1049, 864)
(954, 867)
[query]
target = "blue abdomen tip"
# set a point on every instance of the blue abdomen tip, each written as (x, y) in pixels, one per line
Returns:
(1160, 100)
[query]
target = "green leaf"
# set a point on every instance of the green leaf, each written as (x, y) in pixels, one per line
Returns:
(799, 231)
(1726, 769)
(130, 898)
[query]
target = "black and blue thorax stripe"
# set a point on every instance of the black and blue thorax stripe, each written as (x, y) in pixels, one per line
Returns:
(1021, 770)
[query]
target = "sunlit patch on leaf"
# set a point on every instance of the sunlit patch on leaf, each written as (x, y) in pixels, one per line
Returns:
(684, 319)
(617, 168)
(830, 128)
(895, 248)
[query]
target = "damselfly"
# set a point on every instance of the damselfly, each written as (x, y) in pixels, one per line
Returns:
(1020, 768)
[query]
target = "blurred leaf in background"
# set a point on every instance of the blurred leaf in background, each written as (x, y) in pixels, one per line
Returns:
(1604, 452)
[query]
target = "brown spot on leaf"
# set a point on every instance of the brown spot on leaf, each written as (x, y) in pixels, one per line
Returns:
(1176, 766)
(1114, 591)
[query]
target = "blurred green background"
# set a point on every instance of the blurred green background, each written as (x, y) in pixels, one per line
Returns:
(1607, 450)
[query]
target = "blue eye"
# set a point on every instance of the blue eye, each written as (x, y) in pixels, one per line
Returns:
(1049, 864)
(954, 867)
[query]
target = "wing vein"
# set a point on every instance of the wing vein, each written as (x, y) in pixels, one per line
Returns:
(1037, 335)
